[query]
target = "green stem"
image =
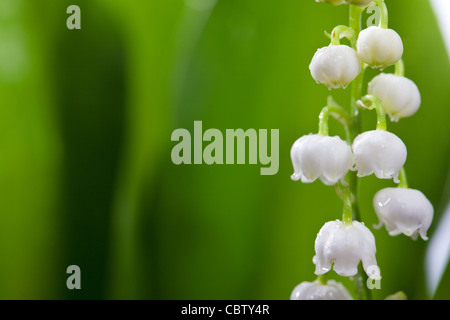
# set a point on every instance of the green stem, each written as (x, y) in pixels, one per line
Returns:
(323, 122)
(360, 280)
(356, 90)
(355, 116)
(337, 112)
(375, 103)
(335, 41)
(355, 18)
(355, 129)
(400, 68)
(384, 19)
(403, 180)
(343, 117)
(338, 190)
(323, 279)
(347, 214)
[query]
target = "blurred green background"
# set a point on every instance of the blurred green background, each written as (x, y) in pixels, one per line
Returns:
(86, 176)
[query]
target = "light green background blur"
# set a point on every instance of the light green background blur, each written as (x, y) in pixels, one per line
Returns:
(86, 176)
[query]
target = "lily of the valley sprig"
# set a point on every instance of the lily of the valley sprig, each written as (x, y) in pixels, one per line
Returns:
(346, 245)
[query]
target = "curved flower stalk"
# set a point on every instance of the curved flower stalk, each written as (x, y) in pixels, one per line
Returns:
(316, 290)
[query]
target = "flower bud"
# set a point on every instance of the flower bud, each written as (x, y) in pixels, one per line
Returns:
(317, 291)
(399, 95)
(343, 246)
(379, 152)
(379, 47)
(316, 156)
(403, 210)
(335, 66)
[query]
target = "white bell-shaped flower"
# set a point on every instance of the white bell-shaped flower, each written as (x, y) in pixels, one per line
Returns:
(332, 290)
(379, 152)
(343, 246)
(361, 3)
(317, 156)
(379, 47)
(403, 210)
(399, 95)
(335, 66)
